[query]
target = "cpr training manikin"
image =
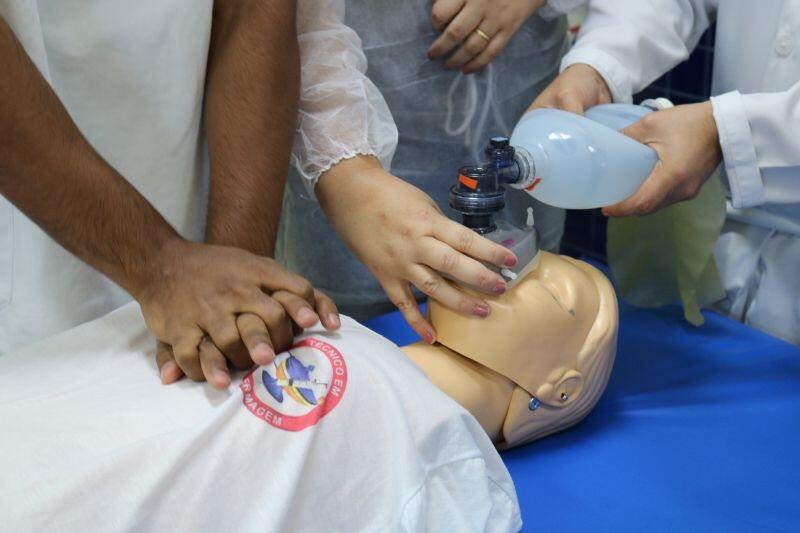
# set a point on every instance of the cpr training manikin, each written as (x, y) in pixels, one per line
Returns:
(341, 433)
(539, 363)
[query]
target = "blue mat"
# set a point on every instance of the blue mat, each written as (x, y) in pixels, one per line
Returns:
(699, 430)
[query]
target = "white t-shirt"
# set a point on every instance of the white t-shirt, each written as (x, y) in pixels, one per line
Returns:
(341, 433)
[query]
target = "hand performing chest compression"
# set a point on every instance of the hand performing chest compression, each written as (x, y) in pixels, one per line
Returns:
(215, 305)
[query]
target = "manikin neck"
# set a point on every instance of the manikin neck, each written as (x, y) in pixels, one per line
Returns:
(484, 393)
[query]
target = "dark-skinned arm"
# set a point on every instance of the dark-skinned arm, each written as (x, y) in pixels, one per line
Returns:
(252, 93)
(191, 294)
(252, 90)
(50, 172)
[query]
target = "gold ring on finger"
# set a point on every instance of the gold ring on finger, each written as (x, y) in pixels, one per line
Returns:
(482, 34)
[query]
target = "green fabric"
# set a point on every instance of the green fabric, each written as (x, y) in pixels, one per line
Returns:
(668, 256)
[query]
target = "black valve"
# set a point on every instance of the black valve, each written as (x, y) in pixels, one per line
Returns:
(479, 193)
(478, 196)
(499, 149)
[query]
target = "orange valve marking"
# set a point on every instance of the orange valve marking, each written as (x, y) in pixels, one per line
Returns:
(533, 185)
(468, 182)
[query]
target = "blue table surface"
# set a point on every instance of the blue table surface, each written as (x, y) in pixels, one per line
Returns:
(698, 430)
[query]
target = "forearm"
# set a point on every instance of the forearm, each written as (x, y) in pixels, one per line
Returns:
(355, 184)
(250, 110)
(52, 174)
(352, 178)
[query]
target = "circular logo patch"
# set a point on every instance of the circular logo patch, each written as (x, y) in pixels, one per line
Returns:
(300, 387)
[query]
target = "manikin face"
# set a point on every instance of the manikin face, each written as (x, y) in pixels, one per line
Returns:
(549, 343)
(535, 330)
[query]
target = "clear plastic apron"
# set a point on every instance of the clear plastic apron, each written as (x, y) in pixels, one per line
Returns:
(444, 120)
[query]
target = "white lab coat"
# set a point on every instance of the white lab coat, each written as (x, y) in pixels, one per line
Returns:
(353, 438)
(131, 75)
(756, 105)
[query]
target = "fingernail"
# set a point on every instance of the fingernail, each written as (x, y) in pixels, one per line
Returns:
(221, 377)
(333, 320)
(429, 336)
(500, 288)
(510, 261)
(307, 317)
(263, 354)
(165, 370)
(481, 311)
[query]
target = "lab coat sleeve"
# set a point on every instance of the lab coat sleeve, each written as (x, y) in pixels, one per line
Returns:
(631, 43)
(758, 134)
(341, 114)
(555, 8)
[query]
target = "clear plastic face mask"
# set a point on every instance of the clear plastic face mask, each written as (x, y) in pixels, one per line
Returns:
(523, 242)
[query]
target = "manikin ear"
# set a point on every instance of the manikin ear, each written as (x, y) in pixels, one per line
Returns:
(562, 389)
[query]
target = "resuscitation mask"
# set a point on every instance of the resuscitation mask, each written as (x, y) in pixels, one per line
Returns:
(479, 195)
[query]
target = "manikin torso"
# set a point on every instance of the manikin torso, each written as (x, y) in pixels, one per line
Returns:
(394, 451)
(539, 362)
(340, 433)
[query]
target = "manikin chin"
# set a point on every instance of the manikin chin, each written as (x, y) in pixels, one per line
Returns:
(539, 363)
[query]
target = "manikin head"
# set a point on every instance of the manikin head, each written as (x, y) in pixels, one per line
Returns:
(539, 362)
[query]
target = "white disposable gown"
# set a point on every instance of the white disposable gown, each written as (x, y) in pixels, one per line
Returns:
(756, 105)
(442, 119)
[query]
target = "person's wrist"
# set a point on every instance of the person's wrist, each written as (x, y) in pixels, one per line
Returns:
(240, 234)
(596, 79)
(347, 179)
(711, 128)
(162, 262)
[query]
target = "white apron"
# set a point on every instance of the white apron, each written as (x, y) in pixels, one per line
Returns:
(131, 75)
